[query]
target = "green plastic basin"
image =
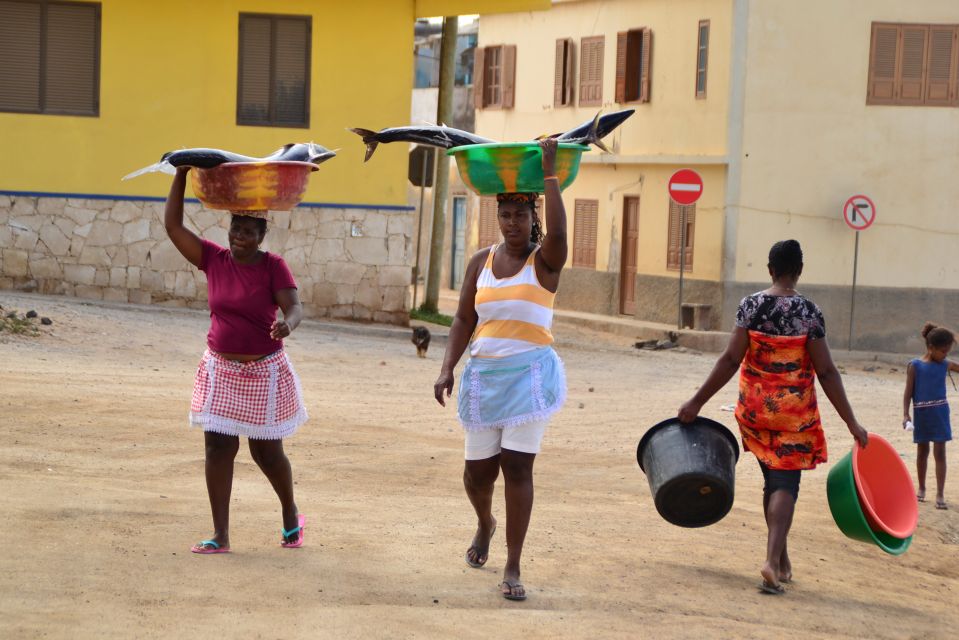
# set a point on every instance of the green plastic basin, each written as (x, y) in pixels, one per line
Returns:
(847, 512)
(513, 167)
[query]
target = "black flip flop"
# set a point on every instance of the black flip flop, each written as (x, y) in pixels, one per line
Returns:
(479, 565)
(509, 594)
(772, 589)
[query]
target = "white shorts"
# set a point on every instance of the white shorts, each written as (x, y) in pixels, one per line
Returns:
(525, 438)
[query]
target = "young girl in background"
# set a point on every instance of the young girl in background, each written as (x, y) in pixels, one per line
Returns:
(926, 389)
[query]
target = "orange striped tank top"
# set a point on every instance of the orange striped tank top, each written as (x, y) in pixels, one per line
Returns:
(514, 314)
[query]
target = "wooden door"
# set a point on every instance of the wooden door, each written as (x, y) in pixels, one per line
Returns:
(627, 267)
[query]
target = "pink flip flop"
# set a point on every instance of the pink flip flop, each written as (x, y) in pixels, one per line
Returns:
(301, 520)
(202, 547)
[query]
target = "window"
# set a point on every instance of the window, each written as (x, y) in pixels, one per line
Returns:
(563, 73)
(633, 59)
(488, 224)
(495, 77)
(913, 64)
(702, 58)
(586, 213)
(50, 57)
(591, 71)
(676, 212)
(273, 85)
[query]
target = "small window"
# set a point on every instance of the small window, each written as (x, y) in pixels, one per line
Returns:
(495, 77)
(633, 65)
(591, 71)
(273, 87)
(585, 216)
(913, 64)
(675, 241)
(702, 58)
(50, 57)
(488, 224)
(563, 73)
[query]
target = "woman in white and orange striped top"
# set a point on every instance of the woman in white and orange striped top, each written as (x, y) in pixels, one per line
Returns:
(514, 381)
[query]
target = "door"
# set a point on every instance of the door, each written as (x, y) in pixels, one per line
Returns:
(627, 266)
(458, 249)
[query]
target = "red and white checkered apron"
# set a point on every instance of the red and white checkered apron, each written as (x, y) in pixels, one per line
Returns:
(259, 399)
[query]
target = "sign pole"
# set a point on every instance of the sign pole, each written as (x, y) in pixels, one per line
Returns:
(852, 302)
(682, 262)
(419, 232)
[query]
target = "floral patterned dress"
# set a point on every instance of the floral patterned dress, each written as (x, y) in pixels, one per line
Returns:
(777, 411)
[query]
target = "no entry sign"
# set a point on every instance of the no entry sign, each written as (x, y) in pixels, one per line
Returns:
(859, 212)
(685, 186)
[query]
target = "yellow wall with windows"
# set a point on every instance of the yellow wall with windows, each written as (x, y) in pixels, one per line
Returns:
(672, 131)
(168, 80)
(811, 141)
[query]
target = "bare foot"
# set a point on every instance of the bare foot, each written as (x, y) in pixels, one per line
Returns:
(478, 552)
(770, 583)
(921, 495)
(941, 503)
(785, 568)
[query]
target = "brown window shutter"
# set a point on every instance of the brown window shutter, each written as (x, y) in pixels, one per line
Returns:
(646, 71)
(674, 241)
(488, 225)
(585, 217)
(622, 45)
(913, 65)
(883, 62)
(72, 52)
(559, 71)
(570, 71)
(291, 54)
(479, 73)
(20, 28)
(509, 75)
(702, 58)
(941, 71)
(253, 86)
(591, 71)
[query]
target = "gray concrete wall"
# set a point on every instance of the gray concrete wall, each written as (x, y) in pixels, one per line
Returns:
(886, 318)
(589, 291)
(657, 298)
(348, 263)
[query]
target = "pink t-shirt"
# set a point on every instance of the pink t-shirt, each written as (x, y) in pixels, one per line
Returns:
(242, 299)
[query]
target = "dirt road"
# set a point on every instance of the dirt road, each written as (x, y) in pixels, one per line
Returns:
(102, 494)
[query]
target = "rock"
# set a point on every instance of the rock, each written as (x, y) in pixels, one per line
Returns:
(31, 313)
(869, 368)
(45, 320)
(591, 389)
(582, 406)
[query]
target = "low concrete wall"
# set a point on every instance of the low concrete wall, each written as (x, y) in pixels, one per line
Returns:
(657, 298)
(887, 319)
(348, 263)
(589, 291)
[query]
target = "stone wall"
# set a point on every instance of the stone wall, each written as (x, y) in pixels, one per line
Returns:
(348, 263)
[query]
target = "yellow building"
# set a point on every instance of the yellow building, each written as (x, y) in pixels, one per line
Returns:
(90, 91)
(784, 109)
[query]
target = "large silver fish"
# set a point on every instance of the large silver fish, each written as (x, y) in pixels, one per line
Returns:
(434, 136)
(593, 131)
(206, 158)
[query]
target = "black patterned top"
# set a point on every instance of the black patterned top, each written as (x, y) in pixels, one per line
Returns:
(781, 316)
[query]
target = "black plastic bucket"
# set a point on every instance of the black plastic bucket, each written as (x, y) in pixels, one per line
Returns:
(691, 470)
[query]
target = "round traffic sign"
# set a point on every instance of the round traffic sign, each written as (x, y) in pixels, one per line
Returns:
(685, 186)
(859, 212)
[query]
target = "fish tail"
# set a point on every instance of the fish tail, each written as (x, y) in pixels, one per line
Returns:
(592, 137)
(369, 137)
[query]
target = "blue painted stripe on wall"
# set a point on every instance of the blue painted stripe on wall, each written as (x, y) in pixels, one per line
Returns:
(96, 196)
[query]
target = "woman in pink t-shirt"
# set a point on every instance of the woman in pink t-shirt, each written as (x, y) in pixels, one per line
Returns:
(245, 384)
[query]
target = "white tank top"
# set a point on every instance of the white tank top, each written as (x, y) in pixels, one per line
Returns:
(514, 314)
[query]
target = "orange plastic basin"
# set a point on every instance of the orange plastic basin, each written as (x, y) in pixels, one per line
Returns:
(252, 186)
(885, 488)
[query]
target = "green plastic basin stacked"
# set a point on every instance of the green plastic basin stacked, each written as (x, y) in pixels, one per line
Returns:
(513, 167)
(879, 487)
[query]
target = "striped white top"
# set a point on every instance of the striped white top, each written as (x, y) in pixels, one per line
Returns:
(514, 314)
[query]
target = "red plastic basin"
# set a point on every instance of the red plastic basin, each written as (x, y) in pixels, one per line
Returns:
(885, 488)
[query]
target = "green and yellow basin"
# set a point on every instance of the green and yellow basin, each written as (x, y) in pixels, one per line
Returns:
(252, 186)
(511, 167)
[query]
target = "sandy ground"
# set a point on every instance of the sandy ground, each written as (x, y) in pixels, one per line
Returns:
(102, 494)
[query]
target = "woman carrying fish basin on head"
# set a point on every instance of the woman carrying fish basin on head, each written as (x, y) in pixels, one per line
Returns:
(245, 384)
(514, 381)
(780, 341)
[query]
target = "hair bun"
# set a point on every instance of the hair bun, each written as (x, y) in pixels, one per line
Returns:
(926, 328)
